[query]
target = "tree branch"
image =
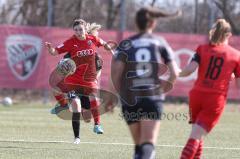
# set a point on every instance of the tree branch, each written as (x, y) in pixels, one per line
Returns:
(224, 9)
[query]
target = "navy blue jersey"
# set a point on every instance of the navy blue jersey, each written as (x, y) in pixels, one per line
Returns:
(143, 56)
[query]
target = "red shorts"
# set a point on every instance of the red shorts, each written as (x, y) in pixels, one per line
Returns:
(73, 83)
(205, 109)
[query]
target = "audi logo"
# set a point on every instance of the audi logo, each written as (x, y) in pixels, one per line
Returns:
(85, 52)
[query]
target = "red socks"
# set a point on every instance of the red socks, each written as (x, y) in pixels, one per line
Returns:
(61, 100)
(199, 151)
(190, 149)
(95, 111)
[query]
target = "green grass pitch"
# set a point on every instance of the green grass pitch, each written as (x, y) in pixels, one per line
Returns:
(29, 131)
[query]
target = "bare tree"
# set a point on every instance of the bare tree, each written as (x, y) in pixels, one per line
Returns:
(230, 11)
(25, 12)
(112, 13)
(105, 12)
(80, 2)
(153, 2)
(203, 19)
(196, 16)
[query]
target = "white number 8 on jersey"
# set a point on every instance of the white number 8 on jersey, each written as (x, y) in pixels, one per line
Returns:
(143, 57)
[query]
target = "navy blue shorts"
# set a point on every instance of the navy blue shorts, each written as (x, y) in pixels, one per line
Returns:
(145, 108)
(85, 102)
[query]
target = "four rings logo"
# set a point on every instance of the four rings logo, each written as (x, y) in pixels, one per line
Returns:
(23, 52)
(85, 52)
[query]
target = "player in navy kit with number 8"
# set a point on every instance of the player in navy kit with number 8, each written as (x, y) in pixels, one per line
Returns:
(135, 75)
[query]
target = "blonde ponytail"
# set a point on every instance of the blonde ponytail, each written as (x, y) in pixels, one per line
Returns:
(91, 28)
(219, 32)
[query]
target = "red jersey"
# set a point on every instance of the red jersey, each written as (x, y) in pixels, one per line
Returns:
(216, 65)
(83, 53)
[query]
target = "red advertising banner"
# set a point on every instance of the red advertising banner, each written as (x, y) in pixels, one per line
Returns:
(25, 62)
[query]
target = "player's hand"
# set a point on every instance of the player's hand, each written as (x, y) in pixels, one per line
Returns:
(179, 70)
(48, 45)
(51, 50)
(165, 86)
(109, 48)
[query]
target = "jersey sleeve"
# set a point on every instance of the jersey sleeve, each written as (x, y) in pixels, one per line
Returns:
(64, 47)
(98, 41)
(166, 54)
(196, 57)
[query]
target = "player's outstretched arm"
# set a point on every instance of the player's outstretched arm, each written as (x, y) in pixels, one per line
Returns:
(108, 47)
(174, 71)
(51, 49)
(189, 69)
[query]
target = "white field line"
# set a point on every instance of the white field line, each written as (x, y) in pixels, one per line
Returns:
(120, 144)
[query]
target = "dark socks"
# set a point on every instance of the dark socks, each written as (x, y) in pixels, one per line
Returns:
(76, 124)
(137, 152)
(147, 151)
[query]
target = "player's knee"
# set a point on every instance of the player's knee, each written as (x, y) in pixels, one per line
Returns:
(53, 79)
(76, 105)
(86, 114)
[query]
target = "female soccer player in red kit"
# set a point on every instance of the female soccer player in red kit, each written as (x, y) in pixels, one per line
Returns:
(82, 49)
(92, 29)
(216, 61)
